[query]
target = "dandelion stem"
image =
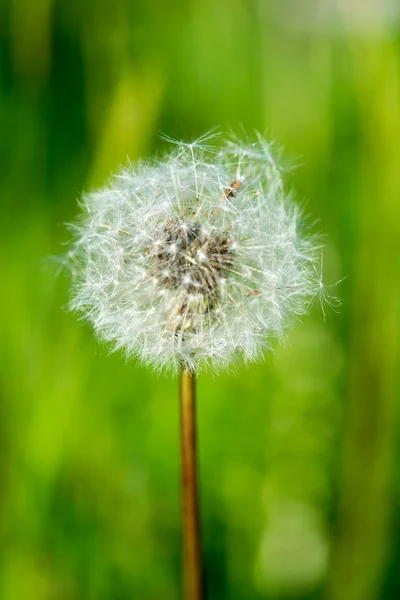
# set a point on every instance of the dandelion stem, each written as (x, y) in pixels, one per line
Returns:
(192, 564)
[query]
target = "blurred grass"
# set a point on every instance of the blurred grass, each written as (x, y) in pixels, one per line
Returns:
(300, 492)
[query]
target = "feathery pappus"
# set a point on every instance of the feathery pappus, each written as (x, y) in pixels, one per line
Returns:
(195, 259)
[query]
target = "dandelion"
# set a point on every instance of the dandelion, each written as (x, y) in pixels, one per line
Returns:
(194, 261)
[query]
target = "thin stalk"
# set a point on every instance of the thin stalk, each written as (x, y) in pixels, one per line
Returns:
(192, 564)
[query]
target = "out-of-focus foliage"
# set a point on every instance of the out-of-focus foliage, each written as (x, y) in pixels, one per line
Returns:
(300, 491)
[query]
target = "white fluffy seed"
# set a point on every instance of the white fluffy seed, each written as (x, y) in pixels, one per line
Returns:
(198, 276)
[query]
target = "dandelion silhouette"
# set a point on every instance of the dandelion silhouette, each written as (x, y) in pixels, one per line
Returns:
(191, 262)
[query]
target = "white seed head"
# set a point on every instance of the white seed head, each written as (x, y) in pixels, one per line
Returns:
(196, 259)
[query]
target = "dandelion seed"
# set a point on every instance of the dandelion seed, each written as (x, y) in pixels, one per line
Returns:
(196, 259)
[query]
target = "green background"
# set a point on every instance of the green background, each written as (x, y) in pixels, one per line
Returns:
(299, 455)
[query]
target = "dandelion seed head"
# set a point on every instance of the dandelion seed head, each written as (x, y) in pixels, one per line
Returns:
(196, 259)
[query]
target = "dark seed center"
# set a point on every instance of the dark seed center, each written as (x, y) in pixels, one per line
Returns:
(190, 258)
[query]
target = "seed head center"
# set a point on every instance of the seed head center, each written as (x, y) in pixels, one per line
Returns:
(192, 259)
